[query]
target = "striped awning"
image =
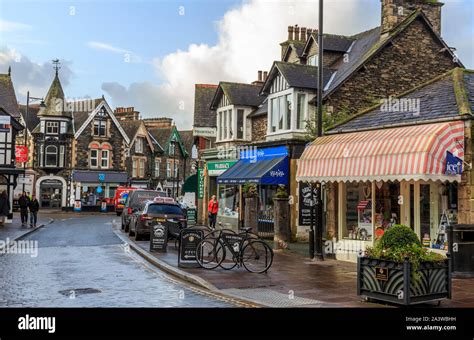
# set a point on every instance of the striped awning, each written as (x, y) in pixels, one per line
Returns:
(406, 153)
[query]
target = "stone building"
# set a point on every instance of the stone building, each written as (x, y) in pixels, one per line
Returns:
(99, 154)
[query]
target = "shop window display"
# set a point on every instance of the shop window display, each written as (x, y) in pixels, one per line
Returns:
(387, 207)
(358, 212)
(229, 201)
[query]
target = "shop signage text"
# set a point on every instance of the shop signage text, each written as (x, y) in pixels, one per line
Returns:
(21, 154)
(158, 237)
(218, 168)
(189, 240)
(205, 131)
(200, 174)
(381, 273)
(305, 203)
(453, 164)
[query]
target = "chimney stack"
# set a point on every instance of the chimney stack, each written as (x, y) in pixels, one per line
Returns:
(297, 33)
(265, 75)
(290, 32)
(260, 79)
(303, 34)
(395, 11)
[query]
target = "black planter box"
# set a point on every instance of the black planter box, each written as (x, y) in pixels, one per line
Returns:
(391, 281)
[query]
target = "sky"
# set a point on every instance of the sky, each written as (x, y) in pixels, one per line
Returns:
(150, 53)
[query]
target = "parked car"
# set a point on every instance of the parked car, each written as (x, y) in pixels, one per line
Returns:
(120, 198)
(136, 198)
(161, 210)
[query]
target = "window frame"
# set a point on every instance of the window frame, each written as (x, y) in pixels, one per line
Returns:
(96, 158)
(46, 153)
(54, 125)
(99, 125)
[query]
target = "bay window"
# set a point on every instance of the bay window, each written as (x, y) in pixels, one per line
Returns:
(240, 124)
(300, 110)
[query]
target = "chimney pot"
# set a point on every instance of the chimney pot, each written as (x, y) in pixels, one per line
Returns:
(303, 34)
(297, 33)
(265, 75)
(290, 32)
(259, 75)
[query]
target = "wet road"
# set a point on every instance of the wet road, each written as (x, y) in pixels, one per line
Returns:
(80, 262)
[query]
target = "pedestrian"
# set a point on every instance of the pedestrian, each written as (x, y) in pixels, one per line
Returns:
(212, 209)
(34, 207)
(4, 207)
(23, 202)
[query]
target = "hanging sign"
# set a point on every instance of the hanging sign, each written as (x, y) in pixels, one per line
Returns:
(453, 164)
(21, 154)
(200, 174)
(305, 201)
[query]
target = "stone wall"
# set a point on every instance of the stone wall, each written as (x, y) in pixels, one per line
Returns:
(466, 187)
(259, 128)
(413, 58)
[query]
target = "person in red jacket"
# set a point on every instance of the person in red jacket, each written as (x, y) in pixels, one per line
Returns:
(212, 209)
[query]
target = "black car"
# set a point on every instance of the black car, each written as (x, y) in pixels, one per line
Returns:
(135, 200)
(160, 210)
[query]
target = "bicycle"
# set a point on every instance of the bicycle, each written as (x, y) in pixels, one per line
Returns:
(246, 248)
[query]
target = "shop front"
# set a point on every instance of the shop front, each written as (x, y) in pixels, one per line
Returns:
(379, 178)
(267, 168)
(51, 191)
(94, 187)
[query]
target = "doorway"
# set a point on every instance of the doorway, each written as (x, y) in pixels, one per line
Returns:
(51, 193)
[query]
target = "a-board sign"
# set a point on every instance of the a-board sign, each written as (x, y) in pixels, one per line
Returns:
(189, 239)
(191, 216)
(158, 237)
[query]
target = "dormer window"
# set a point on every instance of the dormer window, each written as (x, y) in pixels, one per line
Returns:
(313, 60)
(52, 128)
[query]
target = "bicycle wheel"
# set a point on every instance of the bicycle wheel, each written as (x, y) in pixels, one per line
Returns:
(229, 261)
(257, 256)
(209, 254)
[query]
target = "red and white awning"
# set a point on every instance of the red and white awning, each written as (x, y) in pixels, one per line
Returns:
(405, 153)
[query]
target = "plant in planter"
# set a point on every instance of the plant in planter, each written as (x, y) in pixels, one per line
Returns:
(281, 192)
(250, 190)
(399, 269)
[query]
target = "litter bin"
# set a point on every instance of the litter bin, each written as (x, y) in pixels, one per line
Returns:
(461, 247)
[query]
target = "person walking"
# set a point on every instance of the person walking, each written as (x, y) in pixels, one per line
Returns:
(4, 207)
(34, 208)
(212, 209)
(23, 202)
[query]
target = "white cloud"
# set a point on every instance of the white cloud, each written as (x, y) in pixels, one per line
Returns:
(107, 47)
(31, 76)
(10, 26)
(248, 41)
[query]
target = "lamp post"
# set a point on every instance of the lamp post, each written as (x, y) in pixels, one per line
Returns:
(316, 241)
(25, 141)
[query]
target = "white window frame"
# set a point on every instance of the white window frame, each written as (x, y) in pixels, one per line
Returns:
(104, 158)
(157, 167)
(61, 156)
(46, 153)
(312, 60)
(139, 145)
(96, 158)
(294, 107)
(134, 167)
(168, 168)
(141, 167)
(99, 122)
(54, 126)
(62, 127)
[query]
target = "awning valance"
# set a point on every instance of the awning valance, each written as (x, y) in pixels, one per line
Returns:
(406, 153)
(269, 171)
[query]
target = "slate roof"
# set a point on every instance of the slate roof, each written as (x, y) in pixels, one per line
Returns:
(238, 94)
(82, 109)
(261, 110)
(296, 75)
(131, 127)
(203, 115)
(32, 120)
(161, 135)
(7, 96)
(448, 97)
(188, 139)
(297, 45)
(367, 44)
(53, 100)
(333, 42)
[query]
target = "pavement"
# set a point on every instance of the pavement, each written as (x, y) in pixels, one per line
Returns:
(14, 231)
(78, 261)
(292, 281)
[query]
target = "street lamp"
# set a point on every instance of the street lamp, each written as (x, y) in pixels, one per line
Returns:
(42, 106)
(316, 241)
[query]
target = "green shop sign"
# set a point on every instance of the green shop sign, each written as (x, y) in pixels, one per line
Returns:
(200, 175)
(218, 168)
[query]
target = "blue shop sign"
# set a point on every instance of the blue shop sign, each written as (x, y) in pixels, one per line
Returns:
(254, 152)
(101, 177)
(453, 164)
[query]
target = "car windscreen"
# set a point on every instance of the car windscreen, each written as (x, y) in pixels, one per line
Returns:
(168, 209)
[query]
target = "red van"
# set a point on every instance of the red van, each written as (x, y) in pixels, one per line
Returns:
(120, 198)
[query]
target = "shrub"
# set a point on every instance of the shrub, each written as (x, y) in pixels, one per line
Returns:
(399, 235)
(250, 190)
(281, 192)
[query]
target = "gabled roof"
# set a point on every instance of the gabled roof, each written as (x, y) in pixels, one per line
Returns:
(203, 115)
(447, 97)
(7, 96)
(188, 139)
(368, 44)
(132, 129)
(91, 115)
(331, 42)
(82, 109)
(296, 75)
(163, 137)
(238, 94)
(297, 46)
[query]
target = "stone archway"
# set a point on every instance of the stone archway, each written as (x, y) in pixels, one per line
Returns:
(53, 178)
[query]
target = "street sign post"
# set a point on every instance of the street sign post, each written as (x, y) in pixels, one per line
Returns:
(189, 239)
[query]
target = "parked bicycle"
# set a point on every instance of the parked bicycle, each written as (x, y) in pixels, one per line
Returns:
(227, 249)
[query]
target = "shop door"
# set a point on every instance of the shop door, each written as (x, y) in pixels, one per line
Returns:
(425, 210)
(50, 194)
